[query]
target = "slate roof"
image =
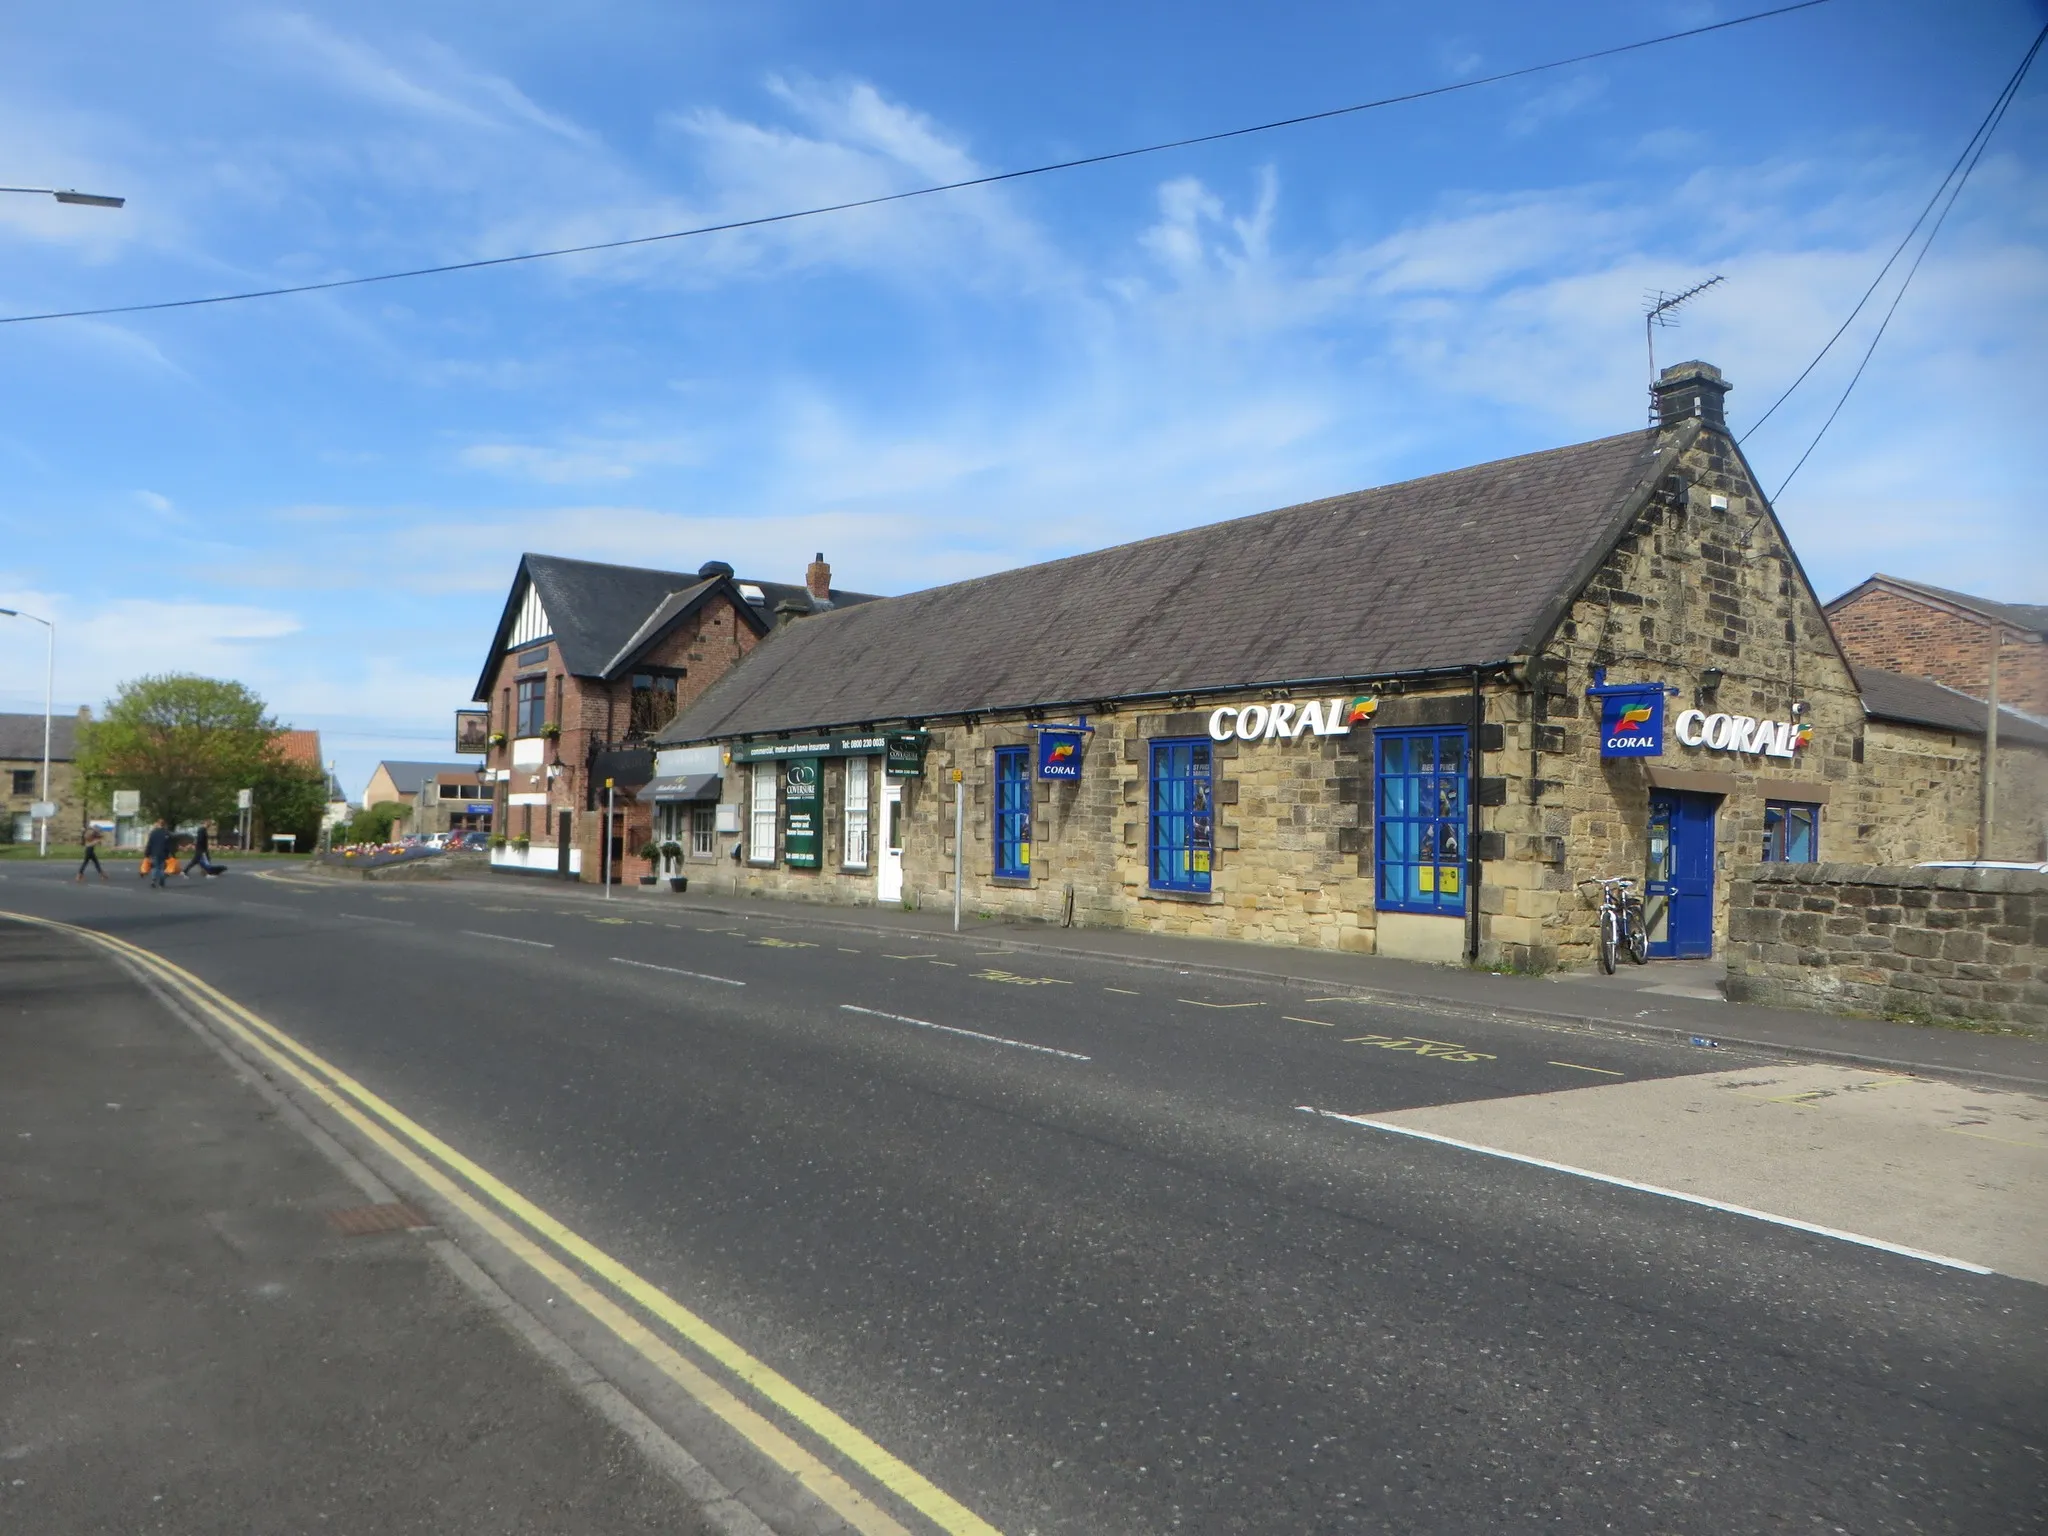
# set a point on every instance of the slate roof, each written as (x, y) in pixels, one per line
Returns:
(21, 736)
(600, 612)
(407, 778)
(1456, 570)
(1917, 701)
(2032, 617)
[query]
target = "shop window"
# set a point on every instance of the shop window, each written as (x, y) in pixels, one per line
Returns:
(1420, 848)
(857, 776)
(704, 831)
(1791, 832)
(1183, 820)
(533, 704)
(653, 703)
(1013, 813)
(761, 815)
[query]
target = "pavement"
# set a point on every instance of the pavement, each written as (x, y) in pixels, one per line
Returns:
(192, 1343)
(894, 1232)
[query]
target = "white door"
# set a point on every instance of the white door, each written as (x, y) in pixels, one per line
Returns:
(889, 857)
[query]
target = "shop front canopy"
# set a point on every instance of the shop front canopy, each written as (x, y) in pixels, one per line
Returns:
(680, 786)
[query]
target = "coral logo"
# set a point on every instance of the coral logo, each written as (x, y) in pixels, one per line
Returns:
(1063, 753)
(1634, 718)
(1362, 709)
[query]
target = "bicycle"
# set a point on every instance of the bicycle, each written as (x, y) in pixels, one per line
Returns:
(1621, 921)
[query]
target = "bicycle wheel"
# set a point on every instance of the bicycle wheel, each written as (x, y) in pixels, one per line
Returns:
(1609, 938)
(1638, 938)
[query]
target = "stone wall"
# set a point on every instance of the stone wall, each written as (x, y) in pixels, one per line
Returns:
(1899, 942)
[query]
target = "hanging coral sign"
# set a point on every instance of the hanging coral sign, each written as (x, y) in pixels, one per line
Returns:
(1632, 723)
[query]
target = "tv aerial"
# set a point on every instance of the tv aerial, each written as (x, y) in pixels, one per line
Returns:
(1660, 309)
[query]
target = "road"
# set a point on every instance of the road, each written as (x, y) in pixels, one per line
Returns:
(1057, 1233)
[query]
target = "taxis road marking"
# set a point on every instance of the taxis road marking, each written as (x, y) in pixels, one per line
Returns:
(1013, 979)
(1650, 1189)
(335, 1089)
(971, 1034)
(1417, 1045)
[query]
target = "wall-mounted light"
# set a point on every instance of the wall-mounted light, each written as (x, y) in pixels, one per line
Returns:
(1798, 708)
(1710, 679)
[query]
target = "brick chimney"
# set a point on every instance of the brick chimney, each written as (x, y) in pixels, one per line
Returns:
(1686, 390)
(818, 577)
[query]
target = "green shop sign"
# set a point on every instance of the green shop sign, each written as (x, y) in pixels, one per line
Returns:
(903, 749)
(802, 807)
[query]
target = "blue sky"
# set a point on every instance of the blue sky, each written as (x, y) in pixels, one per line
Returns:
(325, 495)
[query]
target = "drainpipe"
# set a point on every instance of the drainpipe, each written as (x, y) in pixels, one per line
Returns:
(1989, 811)
(1472, 756)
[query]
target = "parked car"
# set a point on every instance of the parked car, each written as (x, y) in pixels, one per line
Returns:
(469, 842)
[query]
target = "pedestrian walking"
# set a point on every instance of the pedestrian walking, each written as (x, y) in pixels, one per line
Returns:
(156, 853)
(92, 855)
(202, 854)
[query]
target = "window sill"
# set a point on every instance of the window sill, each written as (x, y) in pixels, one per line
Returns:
(1191, 898)
(1012, 882)
(1407, 911)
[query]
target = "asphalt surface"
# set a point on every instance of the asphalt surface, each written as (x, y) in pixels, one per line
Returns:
(1090, 1268)
(189, 1344)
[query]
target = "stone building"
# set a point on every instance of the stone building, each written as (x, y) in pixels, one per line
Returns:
(1948, 637)
(21, 776)
(588, 661)
(1409, 720)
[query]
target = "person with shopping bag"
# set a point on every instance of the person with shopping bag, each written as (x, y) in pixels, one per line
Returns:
(156, 853)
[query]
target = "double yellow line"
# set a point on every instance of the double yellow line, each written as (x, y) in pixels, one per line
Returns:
(516, 1222)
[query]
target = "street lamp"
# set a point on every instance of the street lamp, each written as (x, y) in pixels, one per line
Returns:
(49, 683)
(66, 195)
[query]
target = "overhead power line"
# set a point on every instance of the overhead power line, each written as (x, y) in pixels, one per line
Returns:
(949, 186)
(1980, 135)
(1974, 152)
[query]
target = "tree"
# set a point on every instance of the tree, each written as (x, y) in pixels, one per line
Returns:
(291, 797)
(372, 824)
(187, 743)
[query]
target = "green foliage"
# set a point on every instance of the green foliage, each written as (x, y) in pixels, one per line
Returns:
(372, 824)
(187, 743)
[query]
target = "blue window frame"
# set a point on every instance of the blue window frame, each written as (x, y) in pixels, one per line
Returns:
(1183, 839)
(1420, 847)
(1013, 813)
(1791, 832)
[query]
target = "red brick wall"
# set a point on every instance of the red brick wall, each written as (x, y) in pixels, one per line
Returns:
(594, 712)
(1883, 628)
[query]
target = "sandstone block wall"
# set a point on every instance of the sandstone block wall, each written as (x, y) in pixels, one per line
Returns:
(1899, 942)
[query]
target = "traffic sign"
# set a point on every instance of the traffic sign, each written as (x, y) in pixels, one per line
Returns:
(43, 810)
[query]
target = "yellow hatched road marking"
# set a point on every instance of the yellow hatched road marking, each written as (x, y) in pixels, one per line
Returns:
(862, 1513)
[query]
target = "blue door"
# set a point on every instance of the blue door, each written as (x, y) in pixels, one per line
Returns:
(1679, 888)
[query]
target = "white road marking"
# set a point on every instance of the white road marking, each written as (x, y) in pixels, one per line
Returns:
(972, 1034)
(726, 981)
(1653, 1189)
(506, 938)
(371, 917)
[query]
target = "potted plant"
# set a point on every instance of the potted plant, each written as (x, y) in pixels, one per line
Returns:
(552, 731)
(651, 852)
(498, 841)
(672, 861)
(496, 738)
(521, 844)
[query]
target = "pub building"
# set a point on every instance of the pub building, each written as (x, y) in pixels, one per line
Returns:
(1406, 721)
